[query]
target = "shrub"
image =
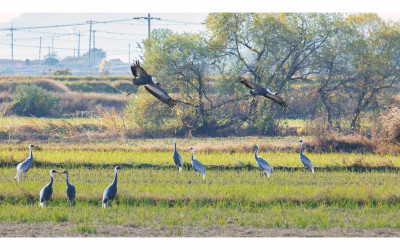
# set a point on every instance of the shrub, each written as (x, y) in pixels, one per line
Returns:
(387, 131)
(154, 117)
(62, 72)
(33, 101)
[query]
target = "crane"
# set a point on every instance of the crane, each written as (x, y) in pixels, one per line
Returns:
(24, 166)
(259, 90)
(197, 166)
(262, 164)
(111, 191)
(141, 78)
(70, 190)
(304, 159)
(46, 191)
(177, 158)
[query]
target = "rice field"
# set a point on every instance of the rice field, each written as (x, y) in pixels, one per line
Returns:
(152, 194)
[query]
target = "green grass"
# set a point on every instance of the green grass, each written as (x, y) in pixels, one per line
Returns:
(235, 198)
(128, 156)
(152, 194)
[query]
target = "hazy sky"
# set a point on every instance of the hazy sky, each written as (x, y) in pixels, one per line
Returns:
(115, 38)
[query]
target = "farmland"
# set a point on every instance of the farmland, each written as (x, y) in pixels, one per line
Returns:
(356, 192)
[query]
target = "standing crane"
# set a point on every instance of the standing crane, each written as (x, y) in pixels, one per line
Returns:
(24, 166)
(111, 191)
(197, 166)
(304, 159)
(47, 191)
(177, 158)
(262, 164)
(70, 191)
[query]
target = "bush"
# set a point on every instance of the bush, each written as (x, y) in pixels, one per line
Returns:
(33, 101)
(155, 118)
(62, 72)
(387, 131)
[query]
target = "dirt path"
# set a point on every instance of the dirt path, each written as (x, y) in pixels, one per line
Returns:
(131, 230)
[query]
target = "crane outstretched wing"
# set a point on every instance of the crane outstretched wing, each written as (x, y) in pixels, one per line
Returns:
(277, 99)
(250, 85)
(160, 94)
(138, 71)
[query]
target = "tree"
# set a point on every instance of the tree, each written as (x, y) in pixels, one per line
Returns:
(375, 60)
(188, 61)
(274, 49)
(51, 61)
(332, 71)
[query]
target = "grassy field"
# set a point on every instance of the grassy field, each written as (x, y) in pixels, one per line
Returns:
(163, 198)
(153, 196)
(213, 153)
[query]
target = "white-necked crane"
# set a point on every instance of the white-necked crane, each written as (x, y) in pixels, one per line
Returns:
(141, 78)
(259, 90)
(47, 191)
(24, 166)
(111, 191)
(262, 164)
(70, 190)
(177, 158)
(197, 166)
(304, 159)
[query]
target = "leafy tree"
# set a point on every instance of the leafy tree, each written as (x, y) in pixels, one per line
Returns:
(188, 61)
(274, 49)
(51, 61)
(374, 46)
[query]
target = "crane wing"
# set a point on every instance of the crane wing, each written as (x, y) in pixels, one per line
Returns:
(160, 94)
(307, 162)
(250, 85)
(198, 166)
(264, 164)
(276, 99)
(138, 71)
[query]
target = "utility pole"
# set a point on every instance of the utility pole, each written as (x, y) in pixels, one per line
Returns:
(148, 26)
(40, 48)
(148, 23)
(90, 39)
(12, 42)
(94, 52)
(79, 43)
(52, 46)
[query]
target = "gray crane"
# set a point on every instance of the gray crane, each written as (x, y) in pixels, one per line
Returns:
(197, 166)
(177, 158)
(141, 78)
(259, 90)
(47, 191)
(262, 164)
(70, 191)
(304, 159)
(24, 166)
(111, 191)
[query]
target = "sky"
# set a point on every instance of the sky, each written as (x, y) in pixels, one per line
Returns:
(120, 39)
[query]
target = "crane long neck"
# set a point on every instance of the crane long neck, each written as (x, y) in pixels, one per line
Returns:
(67, 180)
(30, 153)
(193, 154)
(115, 178)
(175, 145)
(256, 154)
(51, 179)
(301, 149)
